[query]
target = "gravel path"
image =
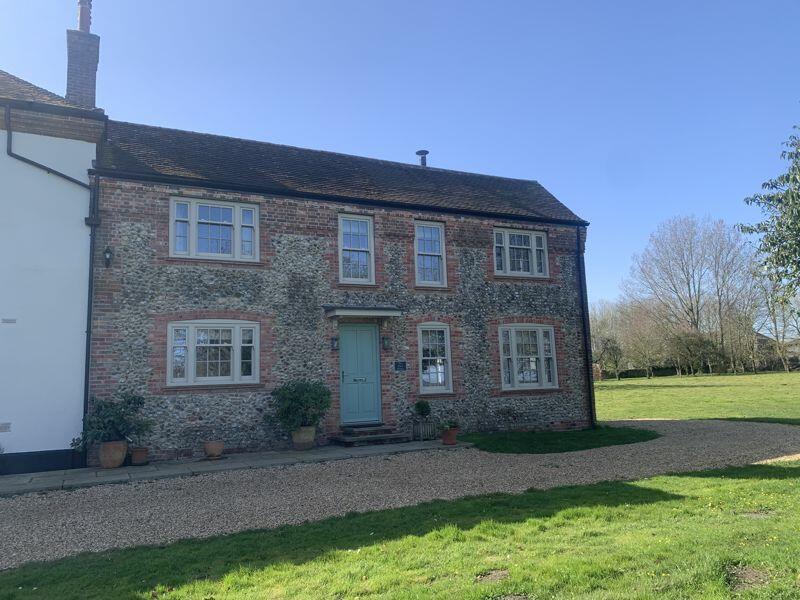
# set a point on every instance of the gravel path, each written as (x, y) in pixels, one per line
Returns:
(62, 523)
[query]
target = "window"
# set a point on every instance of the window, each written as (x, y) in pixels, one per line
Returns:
(356, 250)
(434, 358)
(429, 248)
(527, 357)
(203, 229)
(520, 253)
(211, 352)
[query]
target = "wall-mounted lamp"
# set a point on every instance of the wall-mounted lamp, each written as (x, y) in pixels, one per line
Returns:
(108, 255)
(334, 343)
(386, 342)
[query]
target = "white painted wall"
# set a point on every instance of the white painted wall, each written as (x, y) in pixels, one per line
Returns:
(44, 271)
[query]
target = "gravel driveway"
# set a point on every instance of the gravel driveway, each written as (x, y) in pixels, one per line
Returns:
(61, 523)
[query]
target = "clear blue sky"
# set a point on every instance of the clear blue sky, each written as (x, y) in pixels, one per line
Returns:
(630, 112)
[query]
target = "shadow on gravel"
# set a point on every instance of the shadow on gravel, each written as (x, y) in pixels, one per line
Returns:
(134, 573)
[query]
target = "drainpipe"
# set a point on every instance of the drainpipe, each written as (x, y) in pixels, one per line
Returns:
(587, 340)
(10, 152)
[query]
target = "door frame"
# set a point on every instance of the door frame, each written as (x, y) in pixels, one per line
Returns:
(374, 327)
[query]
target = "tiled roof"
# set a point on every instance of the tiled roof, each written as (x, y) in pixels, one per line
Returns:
(145, 151)
(14, 88)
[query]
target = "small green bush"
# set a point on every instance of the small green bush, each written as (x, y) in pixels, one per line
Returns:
(301, 403)
(422, 408)
(112, 420)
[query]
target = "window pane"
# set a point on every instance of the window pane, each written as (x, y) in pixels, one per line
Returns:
(181, 236)
(203, 212)
(519, 239)
(429, 239)
(247, 216)
(247, 241)
(355, 264)
(519, 260)
(498, 259)
(539, 260)
(247, 336)
(179, 362)
(429, 268)
(179, 336)
(355, 234)
(181, 210)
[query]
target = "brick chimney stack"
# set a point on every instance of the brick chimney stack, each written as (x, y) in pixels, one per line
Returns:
(83, 54)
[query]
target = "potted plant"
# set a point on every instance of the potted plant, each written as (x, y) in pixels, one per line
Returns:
(299, 407)
(111, 423)
(213, 449)
(449, 433)
(138, 455)
(424, 428)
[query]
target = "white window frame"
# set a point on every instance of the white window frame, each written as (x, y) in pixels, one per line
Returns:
(191, 327)
(236, 239)
(442, 254)
(371, 249)
(506, 270)
(541, 384)
(435, 326)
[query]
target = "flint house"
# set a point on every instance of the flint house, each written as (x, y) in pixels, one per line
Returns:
(223, 267)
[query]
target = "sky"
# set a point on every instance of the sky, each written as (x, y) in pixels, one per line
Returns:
(630, 112)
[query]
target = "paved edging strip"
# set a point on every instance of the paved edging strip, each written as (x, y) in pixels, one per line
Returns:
(82, 478)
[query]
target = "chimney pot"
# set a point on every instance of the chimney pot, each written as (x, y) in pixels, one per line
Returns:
(85, 15)
(423, 157)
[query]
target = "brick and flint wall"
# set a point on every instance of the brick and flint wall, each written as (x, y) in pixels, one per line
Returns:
(285, 291)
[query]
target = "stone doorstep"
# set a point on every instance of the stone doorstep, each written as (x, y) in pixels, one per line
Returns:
(12, 485)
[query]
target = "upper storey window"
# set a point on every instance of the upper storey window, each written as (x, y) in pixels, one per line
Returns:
(520, 253)
(356, 249)
(430, 257)
(214, 230)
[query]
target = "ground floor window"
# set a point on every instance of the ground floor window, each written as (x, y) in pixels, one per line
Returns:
(209, 352)
(434, 358)
(527, 356)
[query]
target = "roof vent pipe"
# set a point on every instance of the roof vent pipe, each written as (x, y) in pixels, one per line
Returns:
(423, 160)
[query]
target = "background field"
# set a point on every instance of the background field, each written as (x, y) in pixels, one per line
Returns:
(770, 397)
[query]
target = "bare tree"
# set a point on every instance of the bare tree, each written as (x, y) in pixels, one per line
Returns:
(673, 270)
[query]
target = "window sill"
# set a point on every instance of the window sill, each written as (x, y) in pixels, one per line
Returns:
(529, 391)
(435, 395)
(209, 388)
(522, 277)
(224, 262)
(348, 284)
(432, 288)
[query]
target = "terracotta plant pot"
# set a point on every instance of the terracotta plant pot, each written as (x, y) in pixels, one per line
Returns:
(214, 449)
(112, 454)
(139, 456)
(449, 436)
(303, 438)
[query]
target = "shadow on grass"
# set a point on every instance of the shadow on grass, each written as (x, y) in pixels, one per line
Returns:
(134, 572)
(638, 387)
(771, 471)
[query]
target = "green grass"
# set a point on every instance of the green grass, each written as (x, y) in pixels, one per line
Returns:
(544, 442)
(770, 397)
(670, 537)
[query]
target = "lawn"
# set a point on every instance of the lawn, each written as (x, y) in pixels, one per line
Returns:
(770, 397)
(544, 442)
(694, 535)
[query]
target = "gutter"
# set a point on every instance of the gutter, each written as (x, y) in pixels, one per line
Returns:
(10, 152)
(587, 339)
(235, 187)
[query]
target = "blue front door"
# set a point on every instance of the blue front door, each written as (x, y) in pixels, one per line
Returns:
(360, 389)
